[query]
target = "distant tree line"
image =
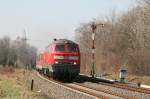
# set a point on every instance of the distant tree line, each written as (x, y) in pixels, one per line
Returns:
(16, 53)
(121, 42)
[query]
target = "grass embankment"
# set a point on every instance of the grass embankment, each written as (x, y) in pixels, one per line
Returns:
(15, 84)
(132, 78)
(139, 79)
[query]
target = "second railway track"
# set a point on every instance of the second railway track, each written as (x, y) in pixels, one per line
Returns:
(117, 85)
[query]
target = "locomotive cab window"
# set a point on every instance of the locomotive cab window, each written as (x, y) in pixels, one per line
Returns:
(60, 47)
(72, 47)
(66, 47)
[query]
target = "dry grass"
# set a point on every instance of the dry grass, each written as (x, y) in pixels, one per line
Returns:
(137, 79)
(132, 78)
(15, 84)
(129, 77)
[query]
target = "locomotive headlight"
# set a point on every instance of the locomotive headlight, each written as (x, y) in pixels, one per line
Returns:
(58, 57)
(56, 62)
(73, 57)
(75, 63)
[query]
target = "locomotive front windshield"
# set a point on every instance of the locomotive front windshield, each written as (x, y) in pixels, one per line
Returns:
(66, 47)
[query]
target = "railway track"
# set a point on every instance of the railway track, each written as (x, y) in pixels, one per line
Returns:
(116, 85)
(122, 90)
(108, 92)
(133, 88)
(98, 94)
(127, 87)
(105, 93)
(125, 92)
(93, 92)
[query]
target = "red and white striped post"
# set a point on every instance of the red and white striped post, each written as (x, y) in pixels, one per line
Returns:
(93, 26)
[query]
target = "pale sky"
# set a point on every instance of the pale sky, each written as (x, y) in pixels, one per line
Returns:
(44, 20)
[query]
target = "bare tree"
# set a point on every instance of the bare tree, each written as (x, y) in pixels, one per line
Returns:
(123, 40)
(16, 52)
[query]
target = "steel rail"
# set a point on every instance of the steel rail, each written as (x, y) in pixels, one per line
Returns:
(108, 92)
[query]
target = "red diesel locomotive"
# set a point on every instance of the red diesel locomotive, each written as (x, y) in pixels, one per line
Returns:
(60, 59)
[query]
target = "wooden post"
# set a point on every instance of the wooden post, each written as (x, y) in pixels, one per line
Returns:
(32, 83)
(139, 84)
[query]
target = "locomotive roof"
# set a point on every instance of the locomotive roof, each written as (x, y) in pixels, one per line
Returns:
(60, 41)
